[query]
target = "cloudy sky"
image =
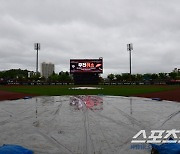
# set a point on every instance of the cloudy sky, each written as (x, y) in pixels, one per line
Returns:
(91, 29)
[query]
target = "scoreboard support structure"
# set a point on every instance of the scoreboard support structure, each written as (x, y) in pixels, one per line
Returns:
(86, 78)
(86, 71)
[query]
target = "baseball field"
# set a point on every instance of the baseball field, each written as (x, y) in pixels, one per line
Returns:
(164, 92)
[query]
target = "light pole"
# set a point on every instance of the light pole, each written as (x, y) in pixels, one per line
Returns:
(37, 47)
(129, 48)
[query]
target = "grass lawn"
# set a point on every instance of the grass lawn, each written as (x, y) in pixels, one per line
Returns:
(116, 90)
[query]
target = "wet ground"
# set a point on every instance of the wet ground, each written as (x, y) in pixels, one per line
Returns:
(84, 124)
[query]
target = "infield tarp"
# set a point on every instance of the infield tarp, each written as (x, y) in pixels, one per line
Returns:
(104, 124)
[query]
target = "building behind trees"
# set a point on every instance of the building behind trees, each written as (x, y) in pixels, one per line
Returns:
(47, 69)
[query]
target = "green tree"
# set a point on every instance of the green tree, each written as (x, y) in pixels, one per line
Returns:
(154, 77)
(53, 77)
(173, 75)
(125, 76)
(162, 76)
(111, 77)
(118, 77)
(147, 77)
(139, 77)
(35, 77)
(14, 74)
(65, 77)
(133, 77)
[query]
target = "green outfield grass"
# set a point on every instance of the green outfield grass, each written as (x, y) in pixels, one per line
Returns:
(55, 90)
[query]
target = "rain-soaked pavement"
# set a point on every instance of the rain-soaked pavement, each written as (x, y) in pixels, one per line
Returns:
(84, 124)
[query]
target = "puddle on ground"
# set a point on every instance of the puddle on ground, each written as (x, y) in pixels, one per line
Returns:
(87, 102)
(84, 124)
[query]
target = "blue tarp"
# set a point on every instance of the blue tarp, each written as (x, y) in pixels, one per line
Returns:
(27, 97)
(167, 148)
(157, 99)
(14, 149)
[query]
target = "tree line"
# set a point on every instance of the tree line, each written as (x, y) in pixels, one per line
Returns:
(18, 75)
(148, 77)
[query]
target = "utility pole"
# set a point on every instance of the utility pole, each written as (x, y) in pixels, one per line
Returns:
(37, 47)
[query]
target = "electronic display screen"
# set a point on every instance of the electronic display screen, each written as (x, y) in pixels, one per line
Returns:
(86, 65)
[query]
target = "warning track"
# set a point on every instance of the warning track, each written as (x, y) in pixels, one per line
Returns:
(171, 95)
(5, 95)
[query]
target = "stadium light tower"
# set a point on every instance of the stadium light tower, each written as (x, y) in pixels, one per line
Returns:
(129, 48)
(37, 47)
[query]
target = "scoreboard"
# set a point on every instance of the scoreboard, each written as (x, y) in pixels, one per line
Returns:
(86, 65)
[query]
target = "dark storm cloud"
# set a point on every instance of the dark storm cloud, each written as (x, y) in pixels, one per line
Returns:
(91, 29)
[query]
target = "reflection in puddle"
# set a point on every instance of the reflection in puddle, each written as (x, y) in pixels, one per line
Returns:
(36, 123)
(131, 111)
(36, 108)
(89, 102)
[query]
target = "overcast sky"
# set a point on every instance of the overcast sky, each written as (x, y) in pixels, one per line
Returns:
(91, 29)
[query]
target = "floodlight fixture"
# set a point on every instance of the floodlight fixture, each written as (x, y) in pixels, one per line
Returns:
(36, 46)
(129, 47)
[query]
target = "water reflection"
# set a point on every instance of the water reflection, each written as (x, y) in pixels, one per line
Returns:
(36, 108)
(131, 111)
(89, 102)
(36, 122)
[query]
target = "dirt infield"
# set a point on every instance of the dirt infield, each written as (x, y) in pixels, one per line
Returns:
(171, 95)
(4, 95)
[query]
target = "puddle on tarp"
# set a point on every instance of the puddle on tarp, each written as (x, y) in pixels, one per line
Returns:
(83, 124)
